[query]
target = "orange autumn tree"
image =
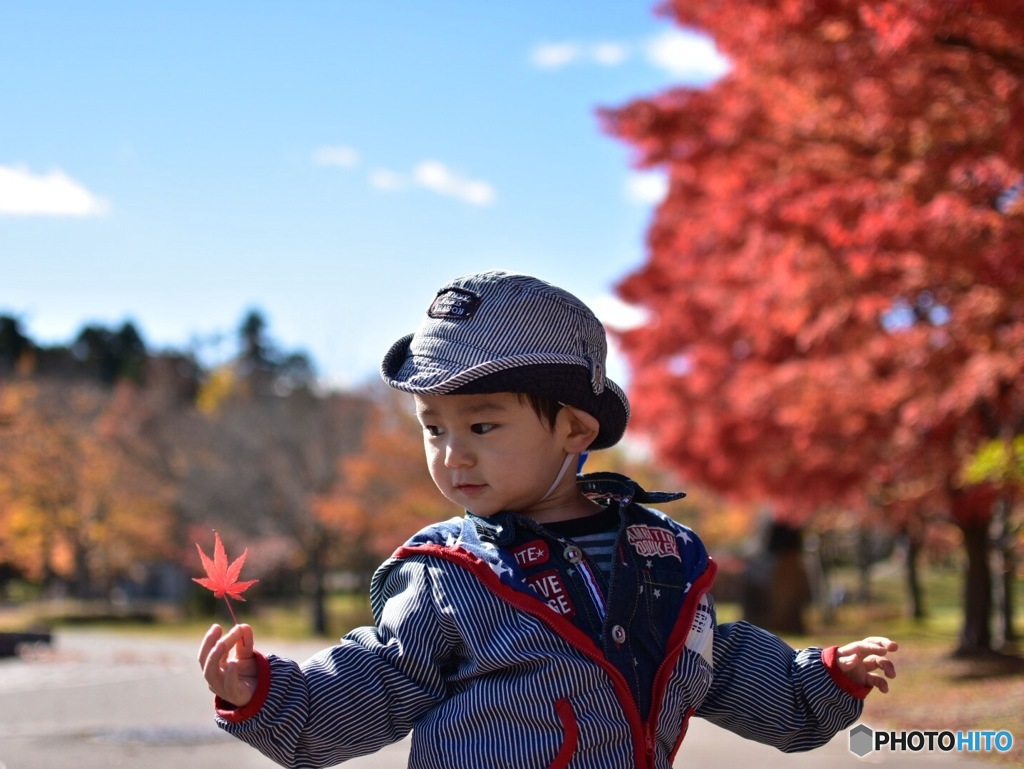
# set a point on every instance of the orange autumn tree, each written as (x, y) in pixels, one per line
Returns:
(384, 493)
(74, 505)
(835, 279)
(264, 457)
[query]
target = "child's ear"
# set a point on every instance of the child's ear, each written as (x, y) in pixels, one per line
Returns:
(582, 429)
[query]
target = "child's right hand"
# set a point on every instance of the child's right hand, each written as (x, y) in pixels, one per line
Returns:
(229, 665)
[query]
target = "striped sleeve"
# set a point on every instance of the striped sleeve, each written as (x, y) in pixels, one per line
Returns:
(766, 691)
(362, 694)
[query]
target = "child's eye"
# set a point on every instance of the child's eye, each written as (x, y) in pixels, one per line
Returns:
(433, 430)
(482, 428)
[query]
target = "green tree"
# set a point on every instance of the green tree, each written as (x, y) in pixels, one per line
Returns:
(108, 355)
(262, 367)
(13, 344)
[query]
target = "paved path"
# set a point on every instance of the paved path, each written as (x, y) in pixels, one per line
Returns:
(100, 700)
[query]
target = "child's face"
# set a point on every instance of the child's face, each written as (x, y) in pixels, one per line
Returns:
(488, 453)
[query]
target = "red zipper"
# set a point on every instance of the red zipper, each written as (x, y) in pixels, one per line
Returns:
(677, 641)
(642, 733)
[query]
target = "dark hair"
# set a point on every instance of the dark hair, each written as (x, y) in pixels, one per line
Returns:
(546, 408)
(547, 387)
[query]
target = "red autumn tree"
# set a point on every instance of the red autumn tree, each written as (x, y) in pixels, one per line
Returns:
(835, 279)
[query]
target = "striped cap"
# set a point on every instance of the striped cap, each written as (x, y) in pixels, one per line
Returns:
(502, 332)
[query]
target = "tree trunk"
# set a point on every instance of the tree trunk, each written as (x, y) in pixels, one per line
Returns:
(1005, 570)
(915, 592)
(49, 573)
(776, 587)
(1009, 630)
(864, 563)
(790, 593)
(318, 590)
(976, 633)
(81, 584)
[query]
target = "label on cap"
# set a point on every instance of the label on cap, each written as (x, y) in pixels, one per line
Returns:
(454, 304)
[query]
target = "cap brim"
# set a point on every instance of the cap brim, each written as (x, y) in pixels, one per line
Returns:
(566, 383)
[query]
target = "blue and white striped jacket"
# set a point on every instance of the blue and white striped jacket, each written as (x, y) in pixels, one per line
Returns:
(497, 645)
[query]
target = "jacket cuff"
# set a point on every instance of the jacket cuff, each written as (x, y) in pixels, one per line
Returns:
(236, 715)
(830, 657)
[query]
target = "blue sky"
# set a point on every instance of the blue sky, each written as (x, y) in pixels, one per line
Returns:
(329, 163)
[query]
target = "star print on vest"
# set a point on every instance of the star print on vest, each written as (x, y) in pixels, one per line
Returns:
(651, 541)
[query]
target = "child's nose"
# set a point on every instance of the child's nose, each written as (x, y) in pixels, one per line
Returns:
(457, 455)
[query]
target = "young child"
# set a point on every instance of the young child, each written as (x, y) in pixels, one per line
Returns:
(560, 622)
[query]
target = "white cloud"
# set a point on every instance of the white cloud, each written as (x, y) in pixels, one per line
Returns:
(555, 55)
(646, 187)
(23, 193)
(428, 174)
(617, 314)
(687, 55)
(387, 181)
(684, 54)
(344, 157)
(438, 177)
(558, 55)
(609, 54)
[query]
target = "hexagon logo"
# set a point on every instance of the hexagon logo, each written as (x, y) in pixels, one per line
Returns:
(862, 740)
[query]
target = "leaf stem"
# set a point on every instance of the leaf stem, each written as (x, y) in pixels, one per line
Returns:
(231, 610)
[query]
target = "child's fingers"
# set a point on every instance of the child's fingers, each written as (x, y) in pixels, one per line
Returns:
(228, 662)
(211, 638)
(881, 644)
(887, 667)
(875, 645)
(231, 684)
(870, 662)
(216, 659)
(232, 637)
(878, 682)
(883, 664)
(245, 641)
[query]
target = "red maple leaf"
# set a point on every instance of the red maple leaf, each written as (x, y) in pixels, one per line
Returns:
(222, 577)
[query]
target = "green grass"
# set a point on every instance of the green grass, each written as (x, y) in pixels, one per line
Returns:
(932, 689)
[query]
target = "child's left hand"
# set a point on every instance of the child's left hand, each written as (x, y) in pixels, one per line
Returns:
(859, 661)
